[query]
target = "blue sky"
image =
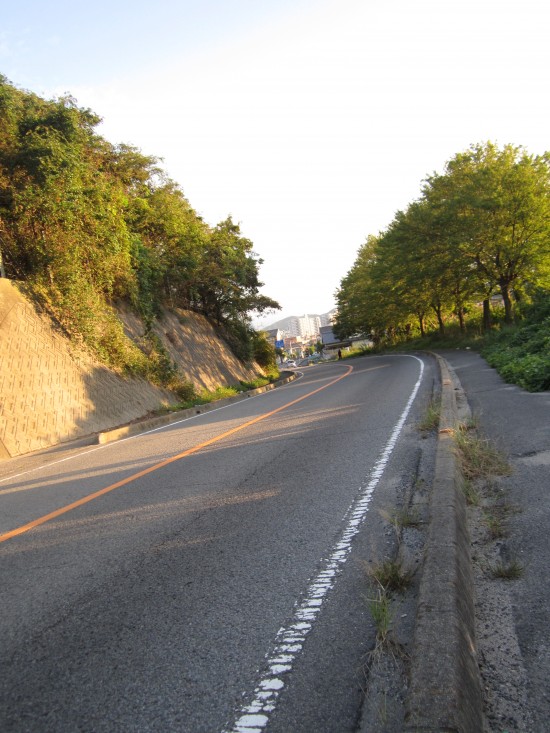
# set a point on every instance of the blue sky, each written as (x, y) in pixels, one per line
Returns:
(311, 122)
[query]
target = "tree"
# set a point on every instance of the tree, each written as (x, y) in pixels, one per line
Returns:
(170, 240)
(499, 201)
(355, 309)
(230, 285)
(263, 352)
(85, 223)
(435, 275)
(482, 226)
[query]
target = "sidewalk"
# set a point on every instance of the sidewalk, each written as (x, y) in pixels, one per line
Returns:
(480, 660)
(514, 648)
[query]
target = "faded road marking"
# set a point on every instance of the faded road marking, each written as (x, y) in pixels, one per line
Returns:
(254, 717)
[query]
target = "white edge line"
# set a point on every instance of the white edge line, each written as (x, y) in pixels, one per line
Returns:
(254, 716)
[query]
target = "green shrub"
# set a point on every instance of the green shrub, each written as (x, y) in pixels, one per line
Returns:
(254, 383)
(264, 352)
(522, 355)
(532, 372)
(184, 389)
(205, 396)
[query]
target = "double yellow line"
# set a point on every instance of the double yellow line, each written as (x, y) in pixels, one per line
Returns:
(157, 466)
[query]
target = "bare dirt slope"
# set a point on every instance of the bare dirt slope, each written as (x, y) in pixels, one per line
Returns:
(193, 344)
(50, 392)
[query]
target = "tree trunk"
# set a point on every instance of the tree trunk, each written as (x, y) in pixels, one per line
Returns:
(486, 315)
(441, 324)
(460, 314)
(505, 292)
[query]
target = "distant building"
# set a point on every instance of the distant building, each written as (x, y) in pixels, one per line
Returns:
(293, 327)
(329, 340)
(273, 335)
(294, 346)
(306, 326)
(309, 326)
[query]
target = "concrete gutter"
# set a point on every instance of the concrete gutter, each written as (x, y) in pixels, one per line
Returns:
(142, 426)
(445, 690)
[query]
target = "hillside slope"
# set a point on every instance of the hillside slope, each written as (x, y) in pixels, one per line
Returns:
(50, 392)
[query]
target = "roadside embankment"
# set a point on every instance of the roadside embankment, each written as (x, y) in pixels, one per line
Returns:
(51, 392)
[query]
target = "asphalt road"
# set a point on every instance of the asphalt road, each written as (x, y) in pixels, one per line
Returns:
(207, 576)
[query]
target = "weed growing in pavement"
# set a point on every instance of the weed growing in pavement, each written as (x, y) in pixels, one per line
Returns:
(495, 519)
(471, 423)
(391, 575)
(387, 577)
(495, 525)
(380, 610)
(401, 518)
(470, 491)
(510, 570)
(408, 517)
(430, 419)
(478, 458)
(385, 664)
(383, 582)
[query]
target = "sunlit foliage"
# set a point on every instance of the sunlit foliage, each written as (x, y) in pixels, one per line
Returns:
(84, 223)
(480, 229)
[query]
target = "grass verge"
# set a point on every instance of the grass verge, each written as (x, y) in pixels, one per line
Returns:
(478, 458)
(205, 396)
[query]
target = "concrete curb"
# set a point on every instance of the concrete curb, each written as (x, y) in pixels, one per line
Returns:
(142, 426)
(445, 691)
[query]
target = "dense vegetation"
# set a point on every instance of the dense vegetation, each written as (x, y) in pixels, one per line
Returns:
(470, 256)
(522, 354)
(84, 223)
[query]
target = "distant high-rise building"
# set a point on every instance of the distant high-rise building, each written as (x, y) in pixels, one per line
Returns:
(306, 327)
(292, 326)
(309, 326)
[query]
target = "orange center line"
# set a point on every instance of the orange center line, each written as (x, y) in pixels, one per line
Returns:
(96, 494)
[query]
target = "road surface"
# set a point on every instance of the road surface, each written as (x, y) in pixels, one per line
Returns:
(207, 576)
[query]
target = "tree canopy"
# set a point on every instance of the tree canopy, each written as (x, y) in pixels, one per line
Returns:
(84, 223)
(481, 228)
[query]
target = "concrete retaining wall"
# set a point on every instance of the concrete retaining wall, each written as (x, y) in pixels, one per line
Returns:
(51, 393)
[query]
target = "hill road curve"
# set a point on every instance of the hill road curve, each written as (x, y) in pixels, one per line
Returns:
(207, 576)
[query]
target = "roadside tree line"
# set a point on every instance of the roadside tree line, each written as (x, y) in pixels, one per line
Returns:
(479, 229)
(84, 223)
